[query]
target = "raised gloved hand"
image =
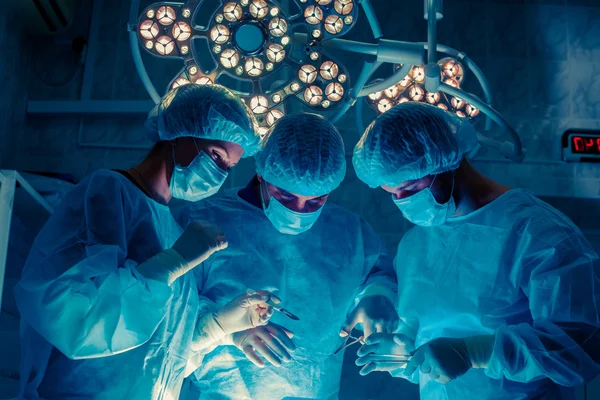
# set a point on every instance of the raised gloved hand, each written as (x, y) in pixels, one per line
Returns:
(272, 341)
(445, 359)
(376, 313)
(198, 242)
(385, 352)
(244, 312)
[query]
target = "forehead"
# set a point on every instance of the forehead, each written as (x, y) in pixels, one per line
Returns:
(426, 180)
(298, 196)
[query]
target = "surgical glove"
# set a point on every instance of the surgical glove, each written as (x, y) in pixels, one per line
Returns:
(198, 242)
(385, 352)
(376, 313)
(272, 341)
(445, 359)
(242, 313)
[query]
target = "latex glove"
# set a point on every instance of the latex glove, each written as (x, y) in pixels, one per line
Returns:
(242, 313)
(372, 353)
(445, 359)
(272, 341)
(198, 242)
(376, 313)
(246, 311)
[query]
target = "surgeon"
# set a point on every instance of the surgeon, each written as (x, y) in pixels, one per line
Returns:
(318, 258)
(108, 309)
(498, 291)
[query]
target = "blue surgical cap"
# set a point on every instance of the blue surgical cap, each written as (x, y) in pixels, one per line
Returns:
(303, 154)
(411, 141)
(204, 112)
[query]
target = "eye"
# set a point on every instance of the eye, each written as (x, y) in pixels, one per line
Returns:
(216, 156)
(287, 196)
(316, 202)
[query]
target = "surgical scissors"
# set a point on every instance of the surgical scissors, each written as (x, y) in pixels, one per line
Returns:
(345, 344)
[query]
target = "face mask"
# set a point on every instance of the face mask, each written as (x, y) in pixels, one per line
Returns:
(423, 209)
(199, 180)
(285, 220)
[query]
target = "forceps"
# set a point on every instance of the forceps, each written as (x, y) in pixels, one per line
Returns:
(347, 343)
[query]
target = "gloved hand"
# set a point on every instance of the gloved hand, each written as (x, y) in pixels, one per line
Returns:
(379, 345)
(445, 359)
(376, 313)
(271, 341)
(246, 311)
(242, 313)
(198, 242)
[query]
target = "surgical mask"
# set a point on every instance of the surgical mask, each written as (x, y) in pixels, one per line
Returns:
(199, 180)
(423, 209)
(285, 220)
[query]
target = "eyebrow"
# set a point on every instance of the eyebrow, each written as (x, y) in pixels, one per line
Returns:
(226, 152)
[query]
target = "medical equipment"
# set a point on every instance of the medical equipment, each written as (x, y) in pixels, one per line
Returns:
(391, 358)
(255, 47)
(581, 145)
(277, 307)
(347, 343)
(283, 311)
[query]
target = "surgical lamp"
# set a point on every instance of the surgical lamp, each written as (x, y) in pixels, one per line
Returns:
(256, 42)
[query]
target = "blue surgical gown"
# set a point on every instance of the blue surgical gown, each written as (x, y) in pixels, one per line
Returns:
(92, 326)
(317, 275)
(516, 268)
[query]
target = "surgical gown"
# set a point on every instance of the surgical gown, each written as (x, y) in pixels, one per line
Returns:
(516, 268)
(317, 275)
(93, 327)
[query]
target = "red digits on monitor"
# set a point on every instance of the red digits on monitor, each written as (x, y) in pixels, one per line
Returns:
(589, 143)
(578, 142)
(598, 144)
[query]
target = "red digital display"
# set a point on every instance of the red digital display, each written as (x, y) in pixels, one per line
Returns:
(581, 144)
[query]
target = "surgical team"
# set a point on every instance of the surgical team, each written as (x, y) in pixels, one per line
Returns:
(152, 283)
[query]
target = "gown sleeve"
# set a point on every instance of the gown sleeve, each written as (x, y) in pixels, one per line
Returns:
(79, 289)
(379, 274)
(562, 284)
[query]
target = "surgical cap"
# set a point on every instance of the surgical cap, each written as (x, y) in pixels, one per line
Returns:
(204, 112)
(411, 141)
(303, 154)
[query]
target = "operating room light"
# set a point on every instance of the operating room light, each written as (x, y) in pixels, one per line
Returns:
(278, 27)
(313, 15)
(260, 42)
(273, 116)
(232, 12)
(313, 95)
(229, 58)
(182, 31)
(164, 45)
(204, 81)
(307, 73)
(259, 104)
(149, 29)
(254, 66)
(392, 91)
(329, 70)
(259, 9)
(411, 88)
(334, 91)
(219, 34)
(165, 15)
